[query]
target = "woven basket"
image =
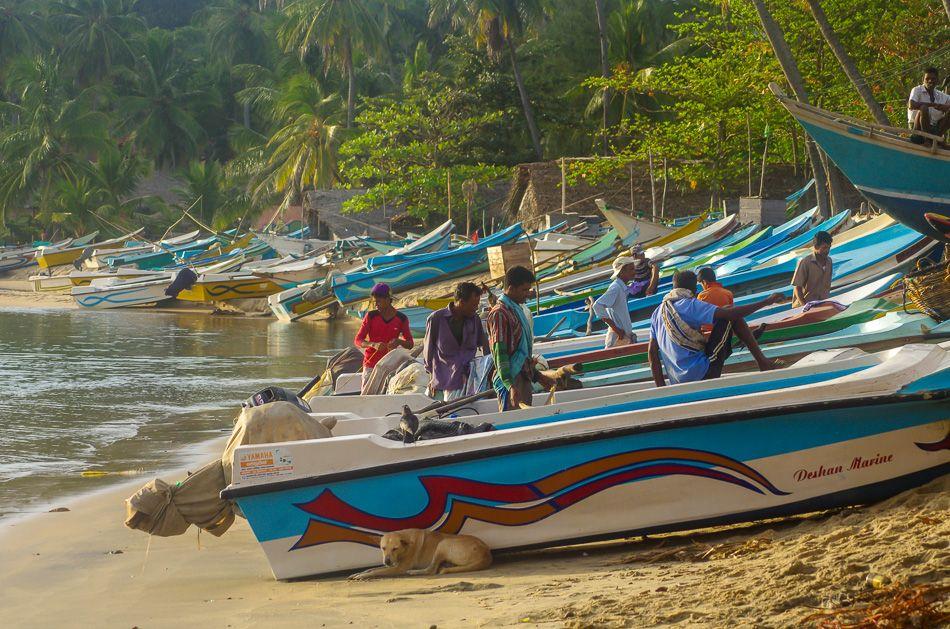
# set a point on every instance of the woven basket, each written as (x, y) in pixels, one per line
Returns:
(929, 289)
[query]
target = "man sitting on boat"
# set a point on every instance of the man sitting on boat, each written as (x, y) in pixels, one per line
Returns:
(511, 337)
(646, 274)
(453, 335)
(612, 306)
(812, 278)
(678, 345)
(713, 292)
(382, 330)
(927, 108)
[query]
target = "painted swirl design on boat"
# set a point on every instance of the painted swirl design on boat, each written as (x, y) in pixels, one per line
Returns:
(937, 446)
(452, 500)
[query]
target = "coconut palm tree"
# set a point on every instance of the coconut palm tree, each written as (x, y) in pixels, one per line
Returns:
(496, 24)
(339, 28)
(21, 28)
(301, 153)
(96, 34)
(157, 107)
(48, 134)
(76, 203)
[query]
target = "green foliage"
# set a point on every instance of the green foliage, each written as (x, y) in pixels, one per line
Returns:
(407, 149)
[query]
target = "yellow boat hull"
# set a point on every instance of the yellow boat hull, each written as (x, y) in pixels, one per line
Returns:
(58, 258)
(230, 289)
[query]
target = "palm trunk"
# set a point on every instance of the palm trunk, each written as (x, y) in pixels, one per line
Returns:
(525, 103)
(350, 80)
(946, 7)
(851, 70)
(790, 68)
(605, 65)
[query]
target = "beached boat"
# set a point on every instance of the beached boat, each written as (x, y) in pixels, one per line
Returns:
(820, 434)
(697, 240)
(631, 227)
(905, 179)
(211, 287)
(421, 269)
(107, 293)
(99, 257)
(49, 257)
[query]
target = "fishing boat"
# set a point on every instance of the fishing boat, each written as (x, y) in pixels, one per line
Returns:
(421, 269)
(697, 240)
(107, 293)
(633, 227)
(99, 257)
(211, 287)
(49, 257)
(905, 179)
(832, 430)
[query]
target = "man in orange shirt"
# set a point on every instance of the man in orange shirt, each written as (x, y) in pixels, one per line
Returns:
(713, 292)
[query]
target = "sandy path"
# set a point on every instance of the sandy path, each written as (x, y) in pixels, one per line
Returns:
(63, 569)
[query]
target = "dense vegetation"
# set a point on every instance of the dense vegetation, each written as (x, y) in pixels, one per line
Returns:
(248, 104)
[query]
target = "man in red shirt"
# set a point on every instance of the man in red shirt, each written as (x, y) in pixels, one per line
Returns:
(382, 330)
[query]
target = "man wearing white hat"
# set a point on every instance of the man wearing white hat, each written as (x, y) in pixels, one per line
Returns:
(611, 307)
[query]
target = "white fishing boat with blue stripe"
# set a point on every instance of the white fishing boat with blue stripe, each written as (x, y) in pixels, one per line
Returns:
(905, 179)
(837, 428)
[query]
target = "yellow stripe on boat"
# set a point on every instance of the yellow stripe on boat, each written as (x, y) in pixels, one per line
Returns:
(685, 230)
(222, 290)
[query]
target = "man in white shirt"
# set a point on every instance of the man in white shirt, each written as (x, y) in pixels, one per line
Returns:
(612, 308)
(927, 108)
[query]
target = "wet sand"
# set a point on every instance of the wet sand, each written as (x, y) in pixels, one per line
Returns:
(82, 567)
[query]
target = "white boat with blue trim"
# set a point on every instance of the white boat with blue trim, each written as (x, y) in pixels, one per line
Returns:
(835, 429)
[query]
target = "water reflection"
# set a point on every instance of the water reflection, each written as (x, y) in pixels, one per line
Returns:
(126, 390)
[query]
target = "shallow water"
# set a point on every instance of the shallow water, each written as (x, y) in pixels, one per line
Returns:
(128, 391)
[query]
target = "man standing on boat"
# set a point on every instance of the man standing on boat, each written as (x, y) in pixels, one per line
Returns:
(612, 308)
(382, 330)
(511, 337)
(453, 335)
(812, 278)
(927, 108)
(678, 345)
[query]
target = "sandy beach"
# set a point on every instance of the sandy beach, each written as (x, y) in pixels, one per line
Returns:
(82, 567)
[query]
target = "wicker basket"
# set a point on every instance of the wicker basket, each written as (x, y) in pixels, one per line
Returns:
(929, 289)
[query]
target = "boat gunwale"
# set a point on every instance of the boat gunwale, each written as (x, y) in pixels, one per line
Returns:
(895, 397)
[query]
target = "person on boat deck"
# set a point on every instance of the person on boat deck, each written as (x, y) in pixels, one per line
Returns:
(511, 337)
(612, 308)
(927, 108)
(646, 275)
(677, 344)
(382, 330)
(812, 278)
(713, 292)
(453, 335)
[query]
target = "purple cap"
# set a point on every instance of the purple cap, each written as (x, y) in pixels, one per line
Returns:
(381, 290)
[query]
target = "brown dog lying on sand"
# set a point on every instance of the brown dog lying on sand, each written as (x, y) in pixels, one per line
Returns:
(418, 551)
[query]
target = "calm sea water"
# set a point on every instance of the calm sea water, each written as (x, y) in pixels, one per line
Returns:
(120, 391)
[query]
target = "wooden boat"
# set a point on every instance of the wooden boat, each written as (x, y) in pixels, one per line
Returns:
(49, 257)
(356, 286)
(820, 434)
(149, 260)
(107, 293)
(436, 240)
(211, 287)
(99, 257)
(633, 228)
(905, 179)
(697, 240)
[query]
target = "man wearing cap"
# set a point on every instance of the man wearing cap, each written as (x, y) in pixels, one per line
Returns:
(611, 307)
(382, 330)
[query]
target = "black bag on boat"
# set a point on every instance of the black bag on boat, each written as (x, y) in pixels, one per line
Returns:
(276, 394)
(439, 429)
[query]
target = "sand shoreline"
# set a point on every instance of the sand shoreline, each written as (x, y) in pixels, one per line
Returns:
(84, 568)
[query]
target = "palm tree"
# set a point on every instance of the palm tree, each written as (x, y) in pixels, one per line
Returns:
(49, 133)
(604, 65)
(21, 28)
(338, 28)
(96, 34)
(204, 188)
(157, 108)
(851, 70)
(301, 153)
(496, 24)
(76, 203)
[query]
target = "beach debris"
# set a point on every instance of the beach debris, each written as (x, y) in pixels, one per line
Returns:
(894, 606)
(58, 510)
(876, 581)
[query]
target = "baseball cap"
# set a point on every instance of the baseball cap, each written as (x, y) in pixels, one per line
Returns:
(621, 262)
(381, 290)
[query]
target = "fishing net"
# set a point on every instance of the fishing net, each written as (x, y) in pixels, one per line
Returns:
(928, 288)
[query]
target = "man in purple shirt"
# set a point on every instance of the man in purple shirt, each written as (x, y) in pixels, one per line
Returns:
(453, 335)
